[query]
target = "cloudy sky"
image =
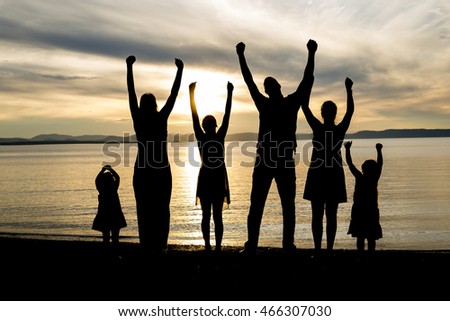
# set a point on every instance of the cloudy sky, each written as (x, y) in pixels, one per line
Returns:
(62, 63)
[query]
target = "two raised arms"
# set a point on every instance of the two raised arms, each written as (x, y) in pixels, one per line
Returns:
(352, 167)
(226, 117)
(132, 98)
(113, 173)
(345, 123)
(308, 74)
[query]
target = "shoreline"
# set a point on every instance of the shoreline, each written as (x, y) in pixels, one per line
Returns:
(134, 241)
(89, 271)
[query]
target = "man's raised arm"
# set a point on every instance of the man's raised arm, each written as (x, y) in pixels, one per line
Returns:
(306, 84)
(248, 78)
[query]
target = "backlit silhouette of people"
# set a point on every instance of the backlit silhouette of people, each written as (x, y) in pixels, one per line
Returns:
(365, 217)
(109, 219)
(275, 147)
(152, 178)
(325, 181)
(213, 190)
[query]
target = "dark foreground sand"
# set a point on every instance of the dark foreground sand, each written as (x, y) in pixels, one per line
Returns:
(86, 271)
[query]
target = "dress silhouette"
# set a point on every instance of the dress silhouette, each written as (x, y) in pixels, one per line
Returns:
(213, 191)
(275, 148)
(325, 182)
(109, 219)
(152, 177)
(365, 217)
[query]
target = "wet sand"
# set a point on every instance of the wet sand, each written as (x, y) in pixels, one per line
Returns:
(86, 271)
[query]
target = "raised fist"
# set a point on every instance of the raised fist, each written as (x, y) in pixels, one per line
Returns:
(240, 47)
(179, 63)
(131, 60)
(348, 83)
(311, 45)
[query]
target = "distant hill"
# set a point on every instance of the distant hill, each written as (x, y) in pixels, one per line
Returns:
(64, 139)
(401, 133)
(96, 139)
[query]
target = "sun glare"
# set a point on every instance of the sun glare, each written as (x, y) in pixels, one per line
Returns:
(210, 92)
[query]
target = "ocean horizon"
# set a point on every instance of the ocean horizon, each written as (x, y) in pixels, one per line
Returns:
(241, 136)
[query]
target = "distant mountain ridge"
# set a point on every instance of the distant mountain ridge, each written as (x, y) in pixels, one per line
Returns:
(401, 133)
(93, 139)
(65, 139)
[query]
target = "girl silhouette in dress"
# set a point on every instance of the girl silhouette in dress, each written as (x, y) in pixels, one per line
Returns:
(212, 187)
(325, 180)
(109, 219)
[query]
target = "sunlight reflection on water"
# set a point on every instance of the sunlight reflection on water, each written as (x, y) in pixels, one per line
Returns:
(49, 191)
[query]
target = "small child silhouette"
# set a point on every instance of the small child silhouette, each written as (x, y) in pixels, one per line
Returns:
(109, 219)
(365, 216)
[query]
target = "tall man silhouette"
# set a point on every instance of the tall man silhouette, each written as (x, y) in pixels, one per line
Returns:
(276, 147)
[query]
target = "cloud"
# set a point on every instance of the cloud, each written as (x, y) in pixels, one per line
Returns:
(71, 55)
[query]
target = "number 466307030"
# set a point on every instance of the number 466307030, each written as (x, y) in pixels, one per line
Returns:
(295, 311)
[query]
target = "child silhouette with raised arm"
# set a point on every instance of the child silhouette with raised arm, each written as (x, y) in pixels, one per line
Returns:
(365, 216)
(109, 219)
(212, 187)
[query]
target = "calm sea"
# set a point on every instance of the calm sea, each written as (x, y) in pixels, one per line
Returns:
(48, 191)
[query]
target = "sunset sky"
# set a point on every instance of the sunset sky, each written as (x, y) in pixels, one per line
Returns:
(63, 66)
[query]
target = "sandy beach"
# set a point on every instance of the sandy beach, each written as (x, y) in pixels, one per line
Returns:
(85, 271)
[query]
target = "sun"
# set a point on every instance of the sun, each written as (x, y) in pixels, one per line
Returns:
(210, 91)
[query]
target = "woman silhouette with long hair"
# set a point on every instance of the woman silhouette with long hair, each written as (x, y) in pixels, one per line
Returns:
(213, 190)
(152, 178)
(325, 181)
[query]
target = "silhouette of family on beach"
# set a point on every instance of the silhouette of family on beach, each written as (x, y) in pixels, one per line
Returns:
(325, 185)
